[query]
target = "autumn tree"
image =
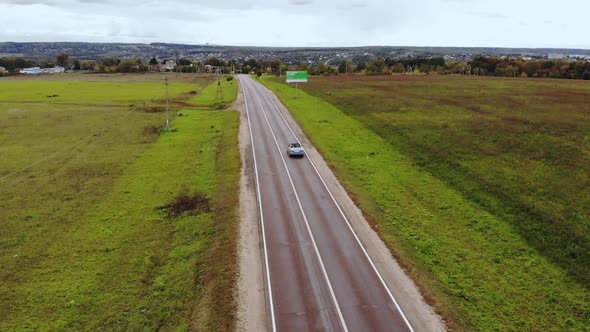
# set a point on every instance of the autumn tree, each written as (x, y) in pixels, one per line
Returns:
(87, 65)
(361, 66)
(215, 62)
(184, 62)
(275, 67)
(62, 59)
(376, 66)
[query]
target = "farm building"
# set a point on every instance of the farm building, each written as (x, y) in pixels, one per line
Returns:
(41, 71)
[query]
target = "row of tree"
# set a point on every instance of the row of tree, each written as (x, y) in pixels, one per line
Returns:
(484, 66)
(489, 66)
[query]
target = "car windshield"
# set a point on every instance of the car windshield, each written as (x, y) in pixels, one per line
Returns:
(295, 145)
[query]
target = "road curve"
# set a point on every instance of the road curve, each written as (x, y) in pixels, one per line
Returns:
(318, 275)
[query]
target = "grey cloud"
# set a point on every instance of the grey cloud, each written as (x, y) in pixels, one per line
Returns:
(27, 2)
(300, 2)
(359, 5)
(488, 15)
(264, 22)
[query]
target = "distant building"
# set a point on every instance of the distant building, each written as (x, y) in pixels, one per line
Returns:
(554, 56)
(168, 65)
(41, 71)
(31, 71)
(163, 65)
(213, 69)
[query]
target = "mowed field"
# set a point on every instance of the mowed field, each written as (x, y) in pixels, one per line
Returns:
(480, 186)
(88, 239)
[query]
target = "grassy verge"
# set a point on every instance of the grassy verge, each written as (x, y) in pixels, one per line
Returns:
(85, 244)
(209, 97)
(476, 265)
(518, 148)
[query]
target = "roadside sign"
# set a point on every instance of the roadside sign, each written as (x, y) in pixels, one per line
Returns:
(296, 76)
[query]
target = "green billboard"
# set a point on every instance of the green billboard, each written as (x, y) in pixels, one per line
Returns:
(296, 76)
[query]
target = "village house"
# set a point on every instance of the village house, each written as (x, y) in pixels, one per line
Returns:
(168, 65)
(163, 65)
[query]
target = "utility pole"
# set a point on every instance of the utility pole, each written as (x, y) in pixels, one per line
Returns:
(219, 94)
(167, 106)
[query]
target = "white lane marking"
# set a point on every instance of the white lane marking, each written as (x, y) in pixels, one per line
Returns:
(272, 312)
(347, 221)
(315, 247)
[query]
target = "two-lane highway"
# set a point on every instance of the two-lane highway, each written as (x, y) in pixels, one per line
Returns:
(318, 275)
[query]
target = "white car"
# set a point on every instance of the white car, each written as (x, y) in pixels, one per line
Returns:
(295, 150)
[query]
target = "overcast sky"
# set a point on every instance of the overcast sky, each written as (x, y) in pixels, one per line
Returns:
(498, 23)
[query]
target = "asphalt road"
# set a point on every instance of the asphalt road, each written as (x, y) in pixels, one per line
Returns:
(318, 275)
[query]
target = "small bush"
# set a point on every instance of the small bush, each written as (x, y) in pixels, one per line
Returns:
(150, 108)
(152, 130)
(192, 205)
(229, 78)
(219, 106)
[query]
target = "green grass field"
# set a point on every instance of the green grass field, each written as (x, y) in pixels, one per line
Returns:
(478, 185)
(85, 244)
(209, 98)
(103, 91)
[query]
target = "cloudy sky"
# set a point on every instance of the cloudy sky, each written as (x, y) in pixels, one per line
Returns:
(499, 23)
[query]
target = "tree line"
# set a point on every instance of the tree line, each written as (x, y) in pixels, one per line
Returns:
(481, 65)
(107, 65)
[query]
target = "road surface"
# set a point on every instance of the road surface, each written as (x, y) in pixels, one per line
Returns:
(317, 274)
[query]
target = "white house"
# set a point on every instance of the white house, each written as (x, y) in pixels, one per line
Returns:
(168, 65)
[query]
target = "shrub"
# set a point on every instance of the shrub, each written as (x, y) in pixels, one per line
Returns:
(152, 130)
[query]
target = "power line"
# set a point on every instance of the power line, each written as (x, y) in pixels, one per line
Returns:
(83, 140)
(51, 156)
(48, 157)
